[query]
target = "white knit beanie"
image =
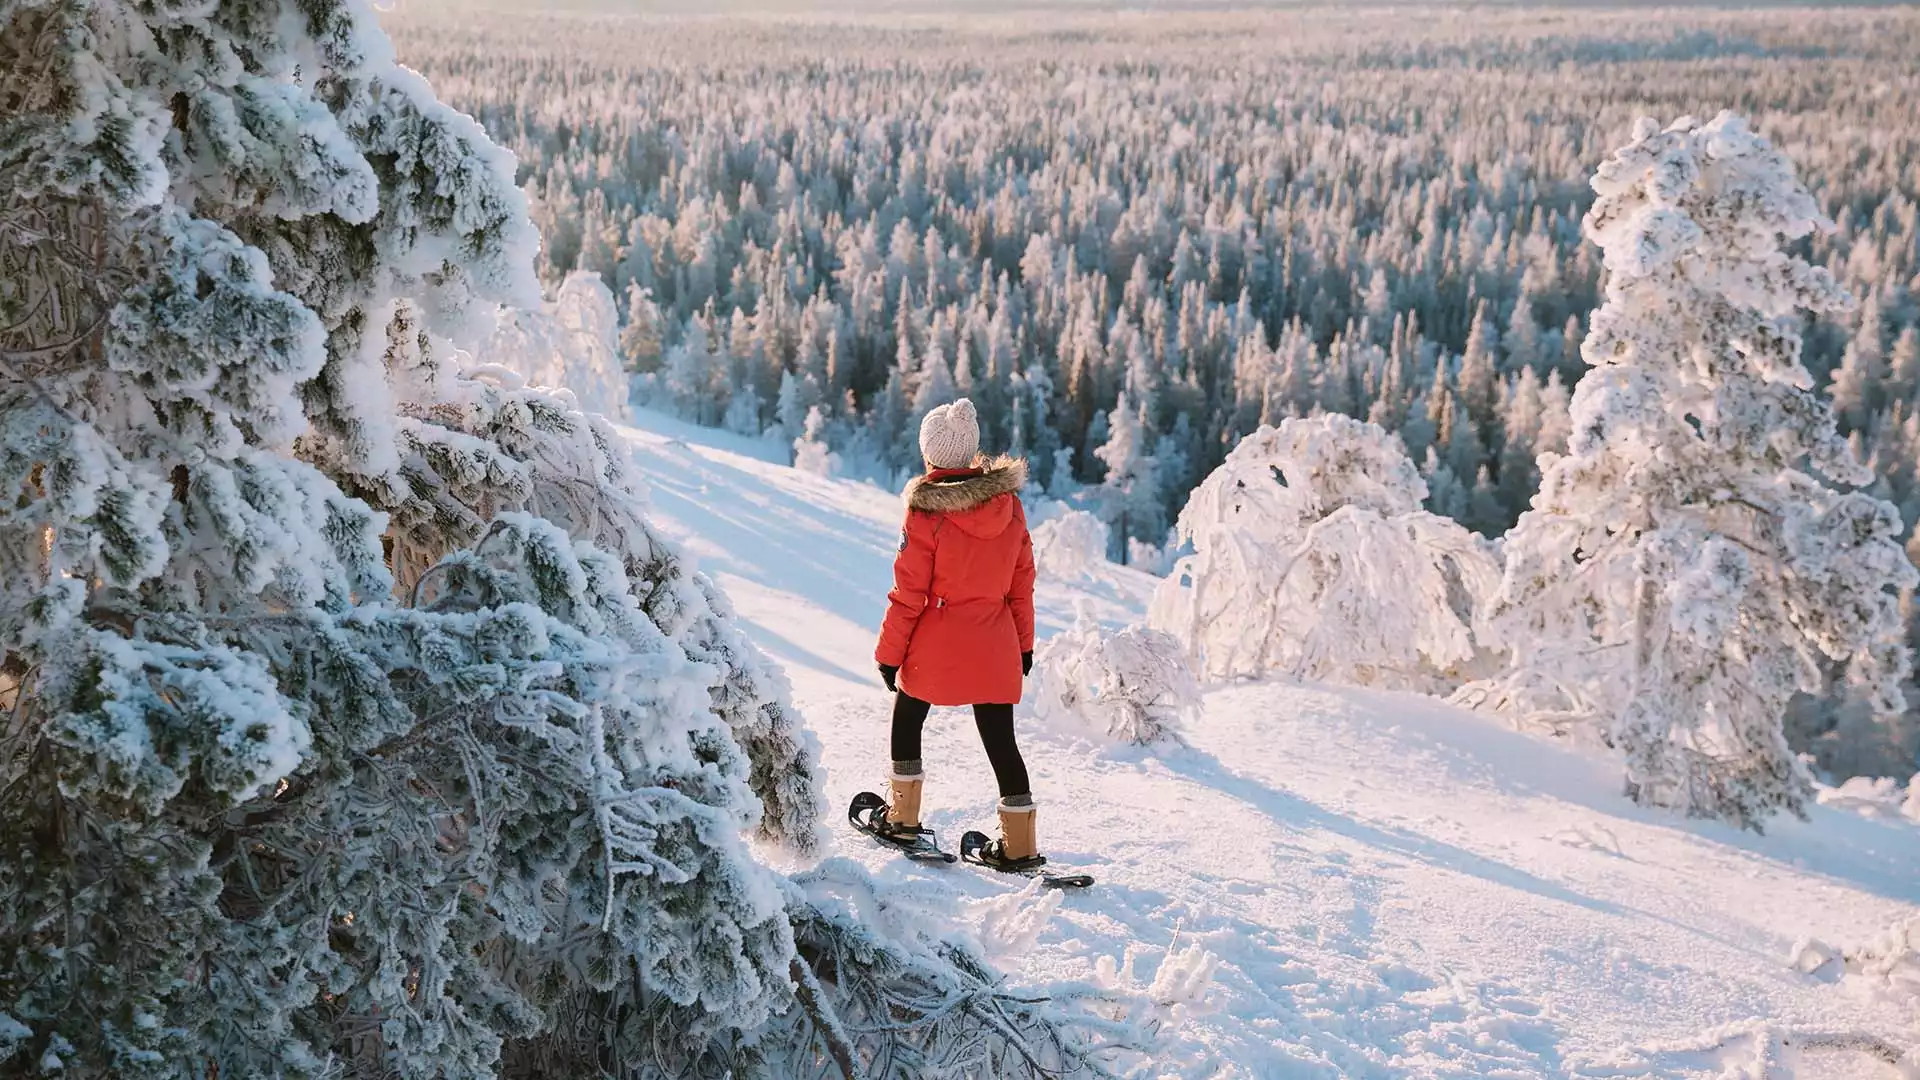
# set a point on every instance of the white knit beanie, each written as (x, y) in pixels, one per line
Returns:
(950, 436)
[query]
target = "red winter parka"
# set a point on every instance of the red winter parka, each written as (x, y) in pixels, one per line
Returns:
(961, 610)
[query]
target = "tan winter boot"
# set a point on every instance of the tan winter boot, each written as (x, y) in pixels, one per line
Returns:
(903, 803)
(1017, 844)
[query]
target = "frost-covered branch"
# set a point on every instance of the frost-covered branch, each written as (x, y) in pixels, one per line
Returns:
(877, 994)
(485, 442)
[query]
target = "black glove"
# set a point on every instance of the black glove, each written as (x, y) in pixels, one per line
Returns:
(1026, 663)
(887, 672)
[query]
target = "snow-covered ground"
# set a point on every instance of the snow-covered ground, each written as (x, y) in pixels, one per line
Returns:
(1329, 882)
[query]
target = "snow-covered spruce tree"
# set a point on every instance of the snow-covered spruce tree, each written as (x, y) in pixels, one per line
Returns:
(1685, 567)
(449, 243)
(1132, 685)
(283, 821)
(261, 812)
(1312, 557)
(810, 452)
(1129, 497)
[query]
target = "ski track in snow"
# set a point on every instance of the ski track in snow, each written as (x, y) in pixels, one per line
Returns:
(1393, 887)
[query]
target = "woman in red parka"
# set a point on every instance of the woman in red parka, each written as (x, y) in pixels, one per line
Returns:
(959, 626)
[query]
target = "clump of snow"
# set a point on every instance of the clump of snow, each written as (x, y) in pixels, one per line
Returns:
(1011, 924)
(58, 1050)
(1886, 967)
(1133, 685)
(1183, 977)
(12, 1034)
(1889, 965)
(1070, 545)
(571, 343)
(1880, 797)
(1155, 559)
(1182, 982)
(810, 450)
(1811, 956)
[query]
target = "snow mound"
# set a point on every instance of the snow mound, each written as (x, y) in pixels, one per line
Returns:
(1880, 797)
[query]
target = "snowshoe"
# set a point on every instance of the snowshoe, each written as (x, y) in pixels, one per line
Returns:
(867, 813)
(977, 849)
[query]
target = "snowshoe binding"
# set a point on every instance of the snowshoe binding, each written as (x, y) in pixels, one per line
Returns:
(977, 849)
(868, 813)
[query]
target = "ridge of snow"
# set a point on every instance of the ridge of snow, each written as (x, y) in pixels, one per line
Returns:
(1328, 881)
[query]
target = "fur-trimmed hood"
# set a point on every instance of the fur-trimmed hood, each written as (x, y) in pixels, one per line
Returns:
(950, 491)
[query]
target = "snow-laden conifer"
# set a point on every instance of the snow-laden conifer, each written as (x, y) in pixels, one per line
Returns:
(291, 784)
(1691, 562)
(1070, 546)
(810, 453)
(1312, 557)
(1129, 497)
(288, 821)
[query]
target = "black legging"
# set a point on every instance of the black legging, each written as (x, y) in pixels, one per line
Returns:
(996, 734)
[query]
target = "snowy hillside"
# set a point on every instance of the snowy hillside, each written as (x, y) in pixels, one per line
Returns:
(1329, 882)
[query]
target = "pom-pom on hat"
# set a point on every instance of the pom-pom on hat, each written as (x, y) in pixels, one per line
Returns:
(950, 436)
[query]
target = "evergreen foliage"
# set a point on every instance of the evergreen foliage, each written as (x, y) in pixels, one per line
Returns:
(357, 721)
